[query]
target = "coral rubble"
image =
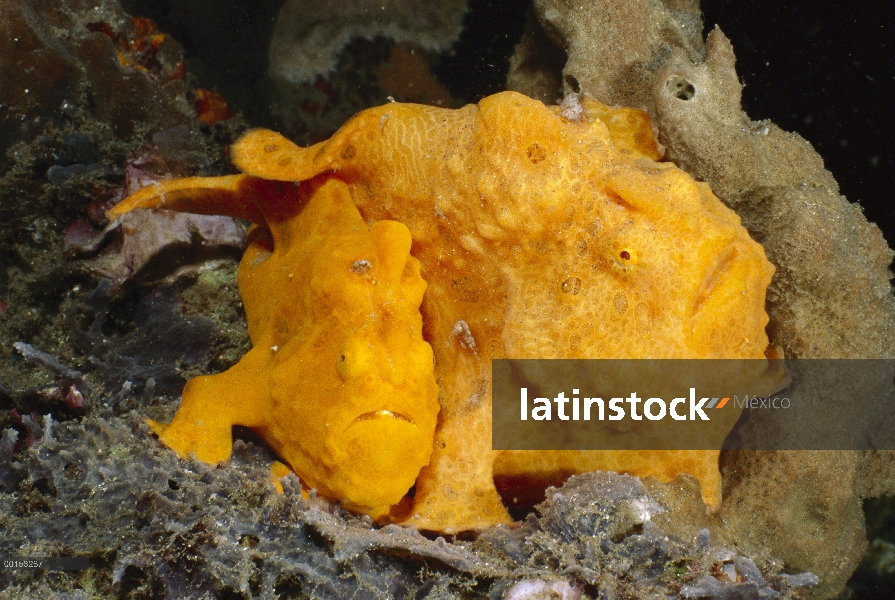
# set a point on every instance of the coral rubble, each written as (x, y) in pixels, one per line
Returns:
(155, 526)
(86, 48)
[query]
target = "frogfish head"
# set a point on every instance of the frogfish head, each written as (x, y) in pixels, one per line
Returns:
(356, 391)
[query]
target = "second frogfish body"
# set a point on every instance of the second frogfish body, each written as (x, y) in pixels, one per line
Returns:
(533, 235)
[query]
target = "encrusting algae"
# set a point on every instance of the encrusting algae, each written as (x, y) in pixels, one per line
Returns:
(540, 232)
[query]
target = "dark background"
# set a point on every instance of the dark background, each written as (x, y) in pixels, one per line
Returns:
(825, 70)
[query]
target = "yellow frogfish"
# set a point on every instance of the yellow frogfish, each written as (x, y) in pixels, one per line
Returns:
(339, 381)
(538, 234)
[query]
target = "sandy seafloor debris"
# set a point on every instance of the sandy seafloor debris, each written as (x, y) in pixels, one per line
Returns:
(155, 526)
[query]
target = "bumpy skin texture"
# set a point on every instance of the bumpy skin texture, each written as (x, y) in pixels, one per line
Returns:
(339, 380)
(831, 297)
(539, 237)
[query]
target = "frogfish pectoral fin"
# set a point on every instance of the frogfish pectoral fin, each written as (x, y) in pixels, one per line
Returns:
(231, 195)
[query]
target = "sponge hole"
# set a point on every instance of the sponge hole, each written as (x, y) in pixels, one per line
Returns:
(680, 88)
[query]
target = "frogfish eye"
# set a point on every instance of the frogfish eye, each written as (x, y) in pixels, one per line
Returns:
(354, 359)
